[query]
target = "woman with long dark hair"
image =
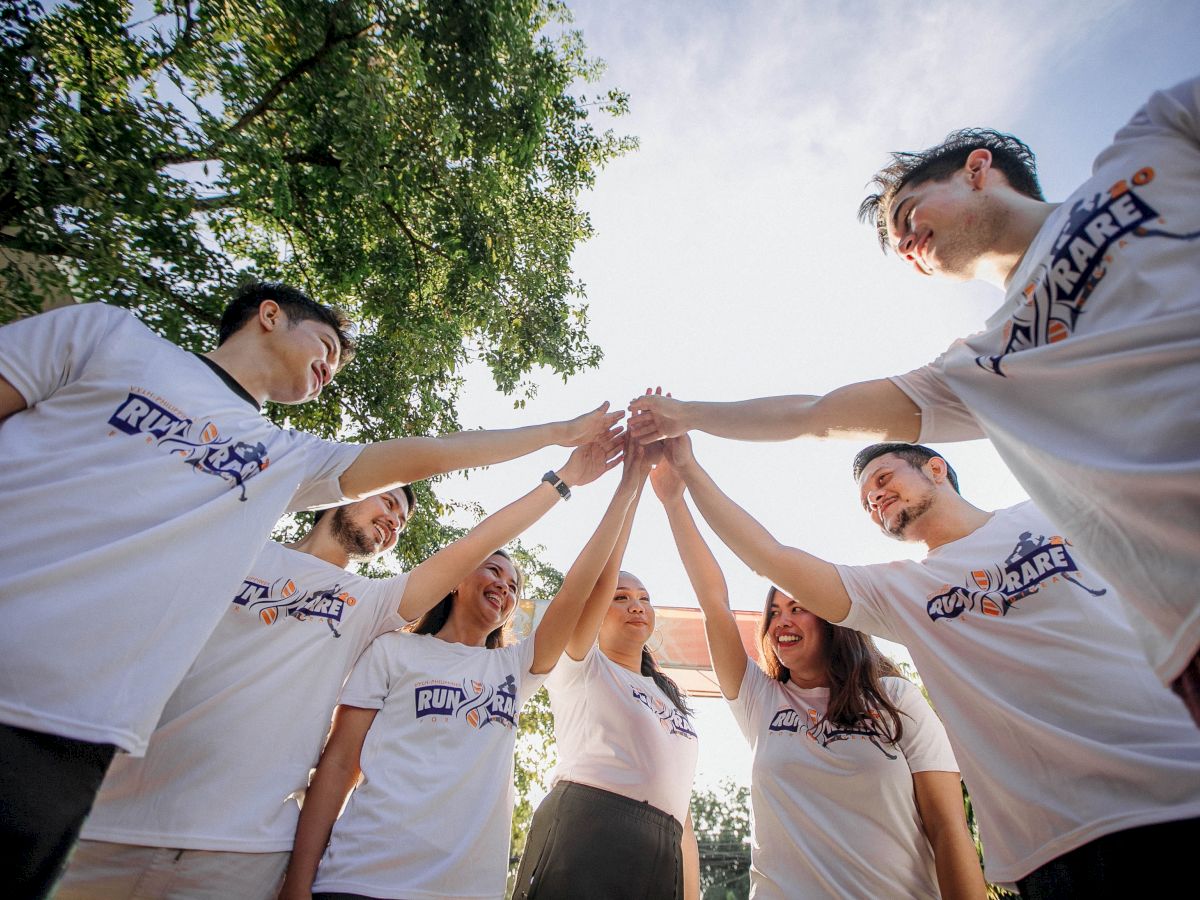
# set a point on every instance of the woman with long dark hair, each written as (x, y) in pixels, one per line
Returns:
(854, 789)
(426, 729)
(615, 824)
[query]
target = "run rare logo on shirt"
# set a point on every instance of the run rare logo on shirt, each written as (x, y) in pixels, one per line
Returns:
(200, 445)
(271, 600)
(470, 701)
(817, 728)
(1096, 228)
(996, 589)
(670, 719)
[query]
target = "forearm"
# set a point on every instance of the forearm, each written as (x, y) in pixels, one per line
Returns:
(691, 862)
(798, 573)
(958, 874)
(430, 581)
(384, 465)
(323, 800)
(600, 597)
(562, 616)
(708, 582)
(940, 804)
(867, 410)
(760, 419)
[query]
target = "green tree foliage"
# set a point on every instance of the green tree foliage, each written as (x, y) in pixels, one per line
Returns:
(721, 819)
(415, 161)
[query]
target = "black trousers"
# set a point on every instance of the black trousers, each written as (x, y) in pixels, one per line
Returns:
(47, 785)
(1132, 863)
(589, 844)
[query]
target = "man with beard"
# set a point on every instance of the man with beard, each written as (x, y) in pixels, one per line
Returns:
(1085, 377)
(1083, 769)
(209, 810)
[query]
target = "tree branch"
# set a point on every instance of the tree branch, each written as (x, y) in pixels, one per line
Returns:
(332, 40)
(221, 201)
(395, 216)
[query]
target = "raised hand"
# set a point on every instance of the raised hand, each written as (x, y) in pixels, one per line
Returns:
(590, 426)
(590, 461)
(666, 481)
(656, 416)
(677, 451)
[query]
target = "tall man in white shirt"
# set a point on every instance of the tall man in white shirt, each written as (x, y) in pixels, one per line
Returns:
(1084, 770)
(157, 452)
(1084, 379)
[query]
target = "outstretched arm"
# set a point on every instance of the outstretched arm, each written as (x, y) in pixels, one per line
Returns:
(812, 581)
(708, 581)
(940, 803)
(559, 623)
(336, 775)
(384, 465)
(637, 467)
(870, 408)
(430, 581)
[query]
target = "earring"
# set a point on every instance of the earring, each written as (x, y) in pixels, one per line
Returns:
(658, 646)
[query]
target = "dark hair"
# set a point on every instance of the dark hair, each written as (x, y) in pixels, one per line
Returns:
(405, 489)
(665, 683)
(854, 667)
(916, 455)
(435, 620)
(295, 303)
(1010, 155)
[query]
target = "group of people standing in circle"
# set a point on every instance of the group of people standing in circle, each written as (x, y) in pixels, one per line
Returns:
(412, 796)
(1058, 639)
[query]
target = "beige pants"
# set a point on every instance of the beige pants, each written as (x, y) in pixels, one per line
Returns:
(102, 871)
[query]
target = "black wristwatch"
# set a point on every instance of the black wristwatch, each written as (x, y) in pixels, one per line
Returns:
(558, 484)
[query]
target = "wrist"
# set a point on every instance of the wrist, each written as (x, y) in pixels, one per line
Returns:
(556, 481)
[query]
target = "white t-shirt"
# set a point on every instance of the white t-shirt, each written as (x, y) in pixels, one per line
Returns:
(134, 494)
(431, 818)
(241, 733)
(1062, 730)
(1086, 379)
(617, 731)
(833, 810)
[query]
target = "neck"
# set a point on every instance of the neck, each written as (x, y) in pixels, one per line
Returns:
(244, 364)
(456, 631)
(809, 679)
(953, 518)
(321, 544)
(628, 657)
(1025, 219)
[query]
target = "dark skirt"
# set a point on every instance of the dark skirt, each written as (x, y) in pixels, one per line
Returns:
(590, 844)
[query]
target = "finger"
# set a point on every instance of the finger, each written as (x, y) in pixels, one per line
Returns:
(613, 418)
(614, 462)
(640, 424)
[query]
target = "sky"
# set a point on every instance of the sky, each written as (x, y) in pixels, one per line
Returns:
(728, 261)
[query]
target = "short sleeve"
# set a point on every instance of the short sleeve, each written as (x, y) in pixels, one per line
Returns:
(756, 687)
(1173, 112)
(46, 352)
(530, 683)
(944, 417)
(567, 672)
(387, 594)
(371, 681)
(324, 464)
(924, 742)
(869, 611)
